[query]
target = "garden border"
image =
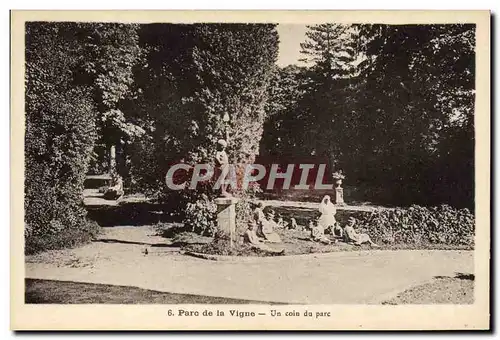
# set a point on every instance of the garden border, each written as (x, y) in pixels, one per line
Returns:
(339, 254)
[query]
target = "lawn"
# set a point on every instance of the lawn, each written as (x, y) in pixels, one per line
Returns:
(67, 292)
(442, 290)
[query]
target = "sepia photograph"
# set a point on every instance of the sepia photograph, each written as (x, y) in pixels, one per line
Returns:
(274, 171)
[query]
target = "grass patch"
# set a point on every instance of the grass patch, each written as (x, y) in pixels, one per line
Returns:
(298, 243)
(442, 290)
(222, 248)
(67, 292)
(61, 238)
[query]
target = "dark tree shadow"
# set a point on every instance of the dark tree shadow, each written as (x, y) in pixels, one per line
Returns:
(132, 214)
(160, 245)
(461, 276)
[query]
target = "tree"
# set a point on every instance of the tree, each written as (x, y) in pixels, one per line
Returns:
(78, 76)
(59, 137)
(392, 105)
(417, 79)
(241, 58)
(283, 125)
(111, 52)
(164, 83)
(329, 101)
(188, 86)
(332, 50)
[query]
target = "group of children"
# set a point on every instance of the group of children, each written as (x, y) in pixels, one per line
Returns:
(262, 228)
(327, 222)
(348, 234)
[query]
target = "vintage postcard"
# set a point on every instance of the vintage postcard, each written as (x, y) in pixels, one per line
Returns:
(250, 170)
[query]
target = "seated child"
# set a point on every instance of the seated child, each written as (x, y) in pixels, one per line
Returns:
(265, 227)
(318, 234)
(294, 225)
(337, 231)
(268, 230)
(281, 223)
(352, 236)
(252, 238)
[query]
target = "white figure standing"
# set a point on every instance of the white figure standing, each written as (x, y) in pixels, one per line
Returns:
(328, 211)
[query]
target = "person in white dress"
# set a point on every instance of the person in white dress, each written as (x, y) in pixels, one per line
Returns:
(266, 227)
(327, 211)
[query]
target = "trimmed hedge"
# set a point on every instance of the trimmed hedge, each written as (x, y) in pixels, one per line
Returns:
(58, 145)
(419, 225)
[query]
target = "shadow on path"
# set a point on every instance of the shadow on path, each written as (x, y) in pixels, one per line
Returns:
(174, 244)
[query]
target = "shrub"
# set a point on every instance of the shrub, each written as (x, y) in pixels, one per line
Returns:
(55, 172)
(58, 235)
(244, 215)
(200, 215)
(418, 225)
(187, 118)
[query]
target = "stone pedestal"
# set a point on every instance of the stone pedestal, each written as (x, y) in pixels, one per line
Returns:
(226, 216)
(339, 196)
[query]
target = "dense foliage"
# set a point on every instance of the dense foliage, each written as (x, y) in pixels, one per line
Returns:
(77, 77)
(112, 51)
(421, 226)
(111, 83)
(392, 105)
(188, 85)
(60, 135)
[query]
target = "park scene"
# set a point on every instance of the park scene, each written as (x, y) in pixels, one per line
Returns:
(232, 163)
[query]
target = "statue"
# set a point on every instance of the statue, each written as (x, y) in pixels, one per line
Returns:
(115, 190)
(222, 162)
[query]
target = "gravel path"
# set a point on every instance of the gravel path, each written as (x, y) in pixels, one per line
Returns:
(342, 277)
